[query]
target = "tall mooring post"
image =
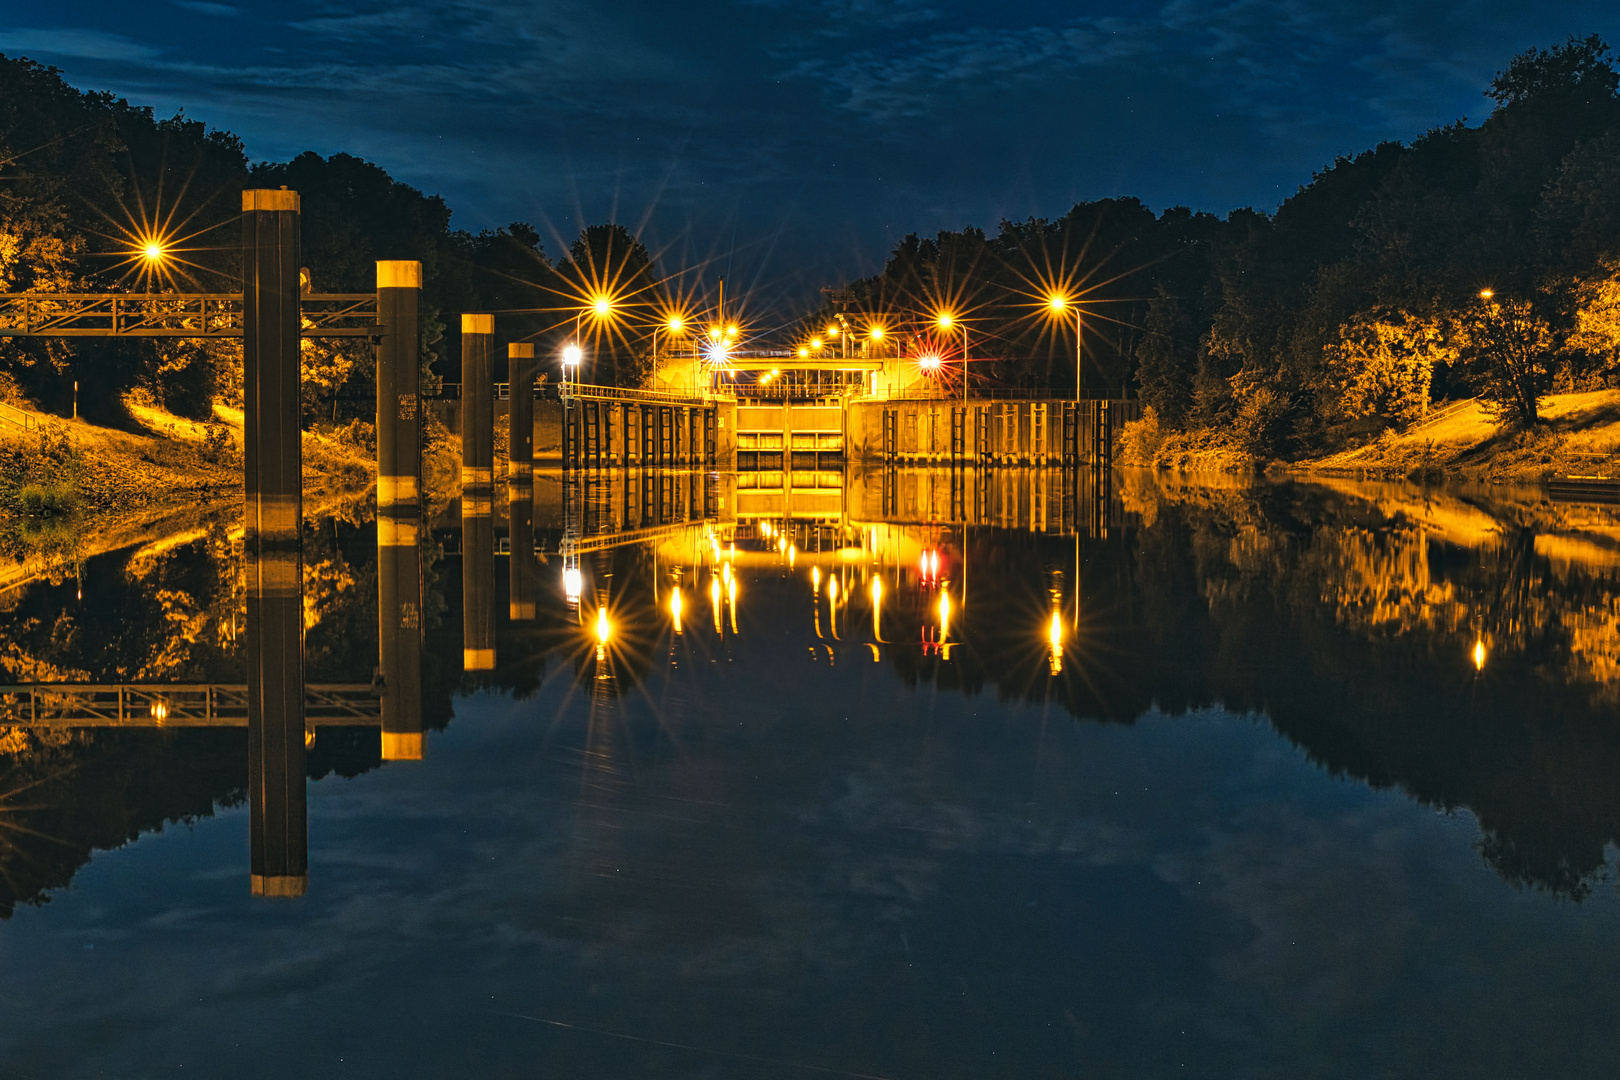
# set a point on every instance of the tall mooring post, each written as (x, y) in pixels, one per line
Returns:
(273, 533)
(477, 496)
(399, 374)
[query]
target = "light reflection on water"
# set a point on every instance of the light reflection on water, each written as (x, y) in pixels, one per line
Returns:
(921, 775)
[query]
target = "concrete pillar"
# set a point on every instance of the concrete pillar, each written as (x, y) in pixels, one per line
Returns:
(477, 400)
(399, 372)
(278, 811)
(523, 569)
(399, 635)
(520, 372)
(272, 461)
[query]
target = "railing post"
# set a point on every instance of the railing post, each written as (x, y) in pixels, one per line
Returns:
(477, 406)
(279, 835)
(399, 450)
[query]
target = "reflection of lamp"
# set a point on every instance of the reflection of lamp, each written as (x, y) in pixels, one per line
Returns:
(675, 608)
(1054, 636)
(1479, 654)
(571, 584)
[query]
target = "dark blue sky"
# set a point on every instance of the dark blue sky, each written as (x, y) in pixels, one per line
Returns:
(798, 140)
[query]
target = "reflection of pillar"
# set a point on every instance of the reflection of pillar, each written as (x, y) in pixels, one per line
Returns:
(520, 377)
(278, 815)
(477, 404)
(477, 580)
(399, 636)
(270, 339)
(399, 469)
(273, 521)
(523, 571)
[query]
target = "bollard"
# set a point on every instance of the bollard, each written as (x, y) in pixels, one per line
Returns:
(399, 635)
(399, 444)
(477, 404)
(520, 441)
(278, 808)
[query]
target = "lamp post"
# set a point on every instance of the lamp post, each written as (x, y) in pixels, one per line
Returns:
(1057, 304)
(673, 326)
(571, 356)
(946, 322)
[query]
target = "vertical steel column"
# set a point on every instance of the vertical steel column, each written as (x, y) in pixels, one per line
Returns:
(520, 440)
(477, 400)
(399, 634)
(270, 338)
(273, 531)
(477, 495)
(399, 371)
(278, 808)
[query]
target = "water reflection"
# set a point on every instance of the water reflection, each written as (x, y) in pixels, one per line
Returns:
(1461, 646)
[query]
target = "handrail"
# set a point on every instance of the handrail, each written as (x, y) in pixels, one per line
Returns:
(27, 422)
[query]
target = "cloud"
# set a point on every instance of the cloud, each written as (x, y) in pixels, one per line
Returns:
(205, 8)
(86, 44)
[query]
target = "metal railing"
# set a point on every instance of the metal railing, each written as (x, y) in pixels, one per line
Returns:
(173, 705)
(191, 315)
(21, 417)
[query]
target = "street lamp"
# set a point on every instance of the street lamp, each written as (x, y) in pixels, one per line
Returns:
(946, 322)
(1057, 304)
(673, 326)
(571, 356)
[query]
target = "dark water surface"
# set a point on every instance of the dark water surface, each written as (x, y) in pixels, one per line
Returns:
(1319, 780)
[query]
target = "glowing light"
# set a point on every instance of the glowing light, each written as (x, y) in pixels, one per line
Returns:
(781, 544)
(815, 580)
(153, 251)
(675, 324)
(1057, 303)
(572, 354)
(159, 710)
(944, 615)
(1054, 637)
(604, 629)
(833, 330)
(1479, 654)
(945, 320)
(877, 607)
(675, 604)
(1486, 294)
(815, 343)
(793, 552)
(601, 306)
(715, 334)
(731, 331)
(929, 362)
(832, 589)
(803, 352)
(571, 583)
(725, 572)
(876, 333)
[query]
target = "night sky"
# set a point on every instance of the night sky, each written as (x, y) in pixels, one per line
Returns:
(792, 143)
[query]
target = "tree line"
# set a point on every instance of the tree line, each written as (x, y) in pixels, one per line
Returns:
(87, 180)
(1479, 260)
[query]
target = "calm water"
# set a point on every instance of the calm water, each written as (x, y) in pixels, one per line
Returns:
(1316, 780)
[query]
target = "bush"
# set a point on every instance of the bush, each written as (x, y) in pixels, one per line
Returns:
(1139, 440)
